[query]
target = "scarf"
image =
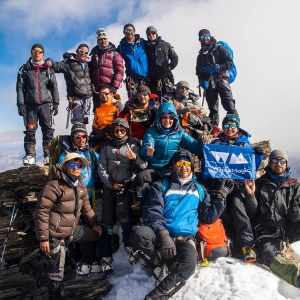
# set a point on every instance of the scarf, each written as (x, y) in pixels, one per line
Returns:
(37, 63)
(186, 179)
(278, 179)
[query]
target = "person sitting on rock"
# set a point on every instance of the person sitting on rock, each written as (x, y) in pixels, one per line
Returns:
(60, 205)
(171, 216)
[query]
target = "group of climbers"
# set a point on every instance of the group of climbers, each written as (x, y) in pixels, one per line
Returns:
(148, 144)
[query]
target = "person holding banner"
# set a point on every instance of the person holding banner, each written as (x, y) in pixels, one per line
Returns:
(231, 162)
(272, 202)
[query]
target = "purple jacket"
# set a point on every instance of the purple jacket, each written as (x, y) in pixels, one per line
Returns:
(106, 66)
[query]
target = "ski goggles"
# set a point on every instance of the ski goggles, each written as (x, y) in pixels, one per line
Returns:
(166, 117)
(142, 94)
(202, 37)
(73, 165)
(104, 94)
(82, 52)
(77, 136)
(129, 31)
(277, 160)
(181, 163)
(226, 126)
(121, 130)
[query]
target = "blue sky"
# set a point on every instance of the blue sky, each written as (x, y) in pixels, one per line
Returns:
(263, 35)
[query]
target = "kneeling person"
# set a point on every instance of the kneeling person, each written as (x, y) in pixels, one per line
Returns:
(59, 207)
(171, 214)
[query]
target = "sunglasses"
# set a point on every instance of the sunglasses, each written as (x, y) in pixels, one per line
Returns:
(183, 163)
(129, 31)
(152, 32)
(201, 37)
(82, 52)
(37, 52)
(277, 160)
(121, 130)
(73, 165)
(226, 126)
(76, 136)
(104, 93)
(165, 117)
(142, 94)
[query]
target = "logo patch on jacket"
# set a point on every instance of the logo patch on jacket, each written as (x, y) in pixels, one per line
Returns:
(31, 125)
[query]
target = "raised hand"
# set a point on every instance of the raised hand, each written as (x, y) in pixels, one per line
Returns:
(197, 112)
(129, 153)
(250, 187)
(150, 149)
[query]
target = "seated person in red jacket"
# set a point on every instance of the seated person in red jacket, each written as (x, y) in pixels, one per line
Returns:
(140, 111)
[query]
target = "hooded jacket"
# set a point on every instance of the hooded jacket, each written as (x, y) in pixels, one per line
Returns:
(88, 173)
(77, 78)
(166, 144)
(269, 205)
(106, 66)
(60, 206)
(138, 126)
(134, 56)
(34, 85)
(242, 140)
(215, 54)
(160, 56)
(114, 166)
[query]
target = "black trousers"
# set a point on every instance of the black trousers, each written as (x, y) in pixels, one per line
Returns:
(38, 113)
(82, 234)
(181, 267)
(227, 100)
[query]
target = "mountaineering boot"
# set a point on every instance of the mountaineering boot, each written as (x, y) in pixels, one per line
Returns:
(107, 264)
(83, 269)
(46, 160)
(160, 273)
(29, 160)
(249, 254)
(215, 119)
(96, 267)
(132, 257)
(54, 289)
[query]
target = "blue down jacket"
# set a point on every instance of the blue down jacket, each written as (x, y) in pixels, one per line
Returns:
(166, 144)
(89, 171)
(180, 209)
(135, 57)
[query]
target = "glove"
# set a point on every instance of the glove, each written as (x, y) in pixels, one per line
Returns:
(293, 211)
(22, 110)
(167, 245)
(211, 69)
(204, 84)
(114, 90)
(259, 150)
(226, 188)
(55, 109)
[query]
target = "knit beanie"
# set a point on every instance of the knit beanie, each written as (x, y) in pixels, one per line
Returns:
(37, 46)
(128, 24)
(101, 34)
(78, 127)
(183, 83)
(279, 153)
(203, 31)
(151, 29)
(142, 89)
(182, 155)
(233, 118)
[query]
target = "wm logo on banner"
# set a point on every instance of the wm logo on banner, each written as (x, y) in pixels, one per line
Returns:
(222, 161)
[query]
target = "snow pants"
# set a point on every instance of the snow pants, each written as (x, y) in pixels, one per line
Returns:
(181, 267)
(82, 234)
(37, 113)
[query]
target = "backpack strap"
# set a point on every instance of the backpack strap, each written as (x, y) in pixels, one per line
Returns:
(200, 190)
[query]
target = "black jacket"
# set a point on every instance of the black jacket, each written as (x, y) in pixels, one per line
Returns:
(215, 54)
(159, 56)
(36, 85)
(77, 79)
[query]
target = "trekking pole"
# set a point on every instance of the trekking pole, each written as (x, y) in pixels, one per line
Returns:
(204, 95)
(12, 219)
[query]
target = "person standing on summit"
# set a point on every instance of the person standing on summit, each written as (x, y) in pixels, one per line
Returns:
(106, 66)
(213, 63)
(37, 99)
(162, 59)
(133, 50)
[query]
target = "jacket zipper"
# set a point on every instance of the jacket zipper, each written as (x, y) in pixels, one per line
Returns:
(37, 85)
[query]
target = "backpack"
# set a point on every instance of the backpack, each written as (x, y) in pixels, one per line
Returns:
(232, 71)
(210, 237)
